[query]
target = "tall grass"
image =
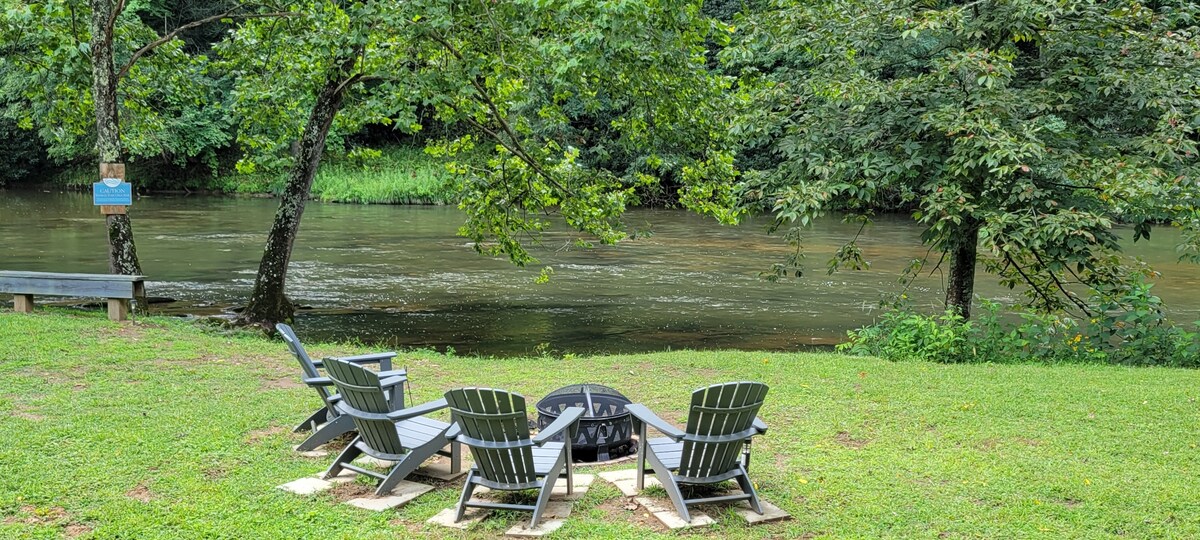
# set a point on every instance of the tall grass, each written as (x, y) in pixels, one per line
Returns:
(401, 175)
(397, 175)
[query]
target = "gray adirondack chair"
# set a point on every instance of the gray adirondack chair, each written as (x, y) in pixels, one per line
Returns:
(714, 447)
(325, 423)
(404, 436)
(492, 423)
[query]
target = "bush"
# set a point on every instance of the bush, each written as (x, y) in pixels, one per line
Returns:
(1129, 327)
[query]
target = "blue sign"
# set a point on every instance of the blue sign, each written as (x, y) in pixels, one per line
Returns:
(112, 191)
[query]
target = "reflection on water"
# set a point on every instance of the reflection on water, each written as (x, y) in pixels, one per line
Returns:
(399, 275)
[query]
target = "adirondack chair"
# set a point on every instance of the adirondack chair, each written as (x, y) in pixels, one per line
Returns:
(403, 436)
(332, 425)
(714, 447)
(493, 424)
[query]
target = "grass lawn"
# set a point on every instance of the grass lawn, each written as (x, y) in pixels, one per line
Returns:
(163, 429)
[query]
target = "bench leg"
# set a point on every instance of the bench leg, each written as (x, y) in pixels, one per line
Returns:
(23, 303)
(118, 309)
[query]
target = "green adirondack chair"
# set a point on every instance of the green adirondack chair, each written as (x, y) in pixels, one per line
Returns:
(325, 423)
(714, 447)
(492, 423)
(403, 436)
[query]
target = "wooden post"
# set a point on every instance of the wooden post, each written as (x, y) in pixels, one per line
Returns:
(112, 170)
(118, 309)
(23, 303)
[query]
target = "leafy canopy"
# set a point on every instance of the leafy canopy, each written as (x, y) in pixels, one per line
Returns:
(1042, 124)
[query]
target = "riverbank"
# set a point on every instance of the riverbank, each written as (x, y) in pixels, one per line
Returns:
(392, 175)
(166, 429)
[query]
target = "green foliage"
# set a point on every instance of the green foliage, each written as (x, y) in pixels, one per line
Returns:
(21, 157)
(1131, 330)
(402, 175)
(169, 102)
(1038, 124)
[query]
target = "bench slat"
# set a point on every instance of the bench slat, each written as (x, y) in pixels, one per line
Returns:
(67, 287)
(76, 277)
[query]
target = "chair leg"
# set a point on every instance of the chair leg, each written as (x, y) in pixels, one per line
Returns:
(671, 486)
(328, 432)
(466, 496)
(412, 460)
(641, 458)
(547, 488)
(743, 480)
(455, 457)
(349, 454)
(570, 469)
(313, 420)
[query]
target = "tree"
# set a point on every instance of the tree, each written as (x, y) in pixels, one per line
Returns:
(145, 95)
(511, 74)
(1022, 131)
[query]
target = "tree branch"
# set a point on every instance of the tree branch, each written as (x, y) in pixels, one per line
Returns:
(175, 33)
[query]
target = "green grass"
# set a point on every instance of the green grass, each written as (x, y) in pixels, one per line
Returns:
(164, 429)
(399, 175)
(402, 175)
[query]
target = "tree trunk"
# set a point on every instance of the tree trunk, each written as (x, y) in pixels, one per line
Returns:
(963, 250)
(122, 253)
(268, 302)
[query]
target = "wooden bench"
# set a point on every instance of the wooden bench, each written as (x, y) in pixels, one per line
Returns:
(117, 289)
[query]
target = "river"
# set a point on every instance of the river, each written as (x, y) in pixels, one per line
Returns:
(400, 276)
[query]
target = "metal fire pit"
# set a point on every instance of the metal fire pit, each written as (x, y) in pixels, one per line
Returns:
(605, 430)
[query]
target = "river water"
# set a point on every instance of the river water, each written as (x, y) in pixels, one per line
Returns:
(399, 275)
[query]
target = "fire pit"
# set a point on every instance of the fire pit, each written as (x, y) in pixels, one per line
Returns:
(605, 430)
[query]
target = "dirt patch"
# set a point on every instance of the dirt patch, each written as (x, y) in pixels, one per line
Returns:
(351, 490)
(25, 412)
(1029, 442)
(988, 445)
(257, 436)
(845, 439)
(1071, 503)
(215, 472)
(286, 383)
(39, 516)
(75, 530)
(625, 509)
(140, 493)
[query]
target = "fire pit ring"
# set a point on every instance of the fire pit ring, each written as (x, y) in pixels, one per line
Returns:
(606, 428)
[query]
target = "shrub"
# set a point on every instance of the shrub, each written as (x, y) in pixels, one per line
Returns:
(1129, 327)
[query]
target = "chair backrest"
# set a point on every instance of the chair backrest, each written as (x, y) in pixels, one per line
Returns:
(364, 401)
(496, 419)
(716, 411)
(306, 364)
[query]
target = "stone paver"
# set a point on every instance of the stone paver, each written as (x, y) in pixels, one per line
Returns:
(626, 481)
(770, 513)
(372, 462)
(445, 518)
(582, 483)
(342, 477)
(305, 486)
(665, 513)
(403, 493)
(543, 528)
(440, 469)
(318, 452)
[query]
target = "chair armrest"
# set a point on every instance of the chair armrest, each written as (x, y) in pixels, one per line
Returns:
(384, 359)
(419, 410)
(317, 381)
(454, 431)
(392, 373)
(569, 417)
(642, 414)
(760, 425)
(392, 381)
